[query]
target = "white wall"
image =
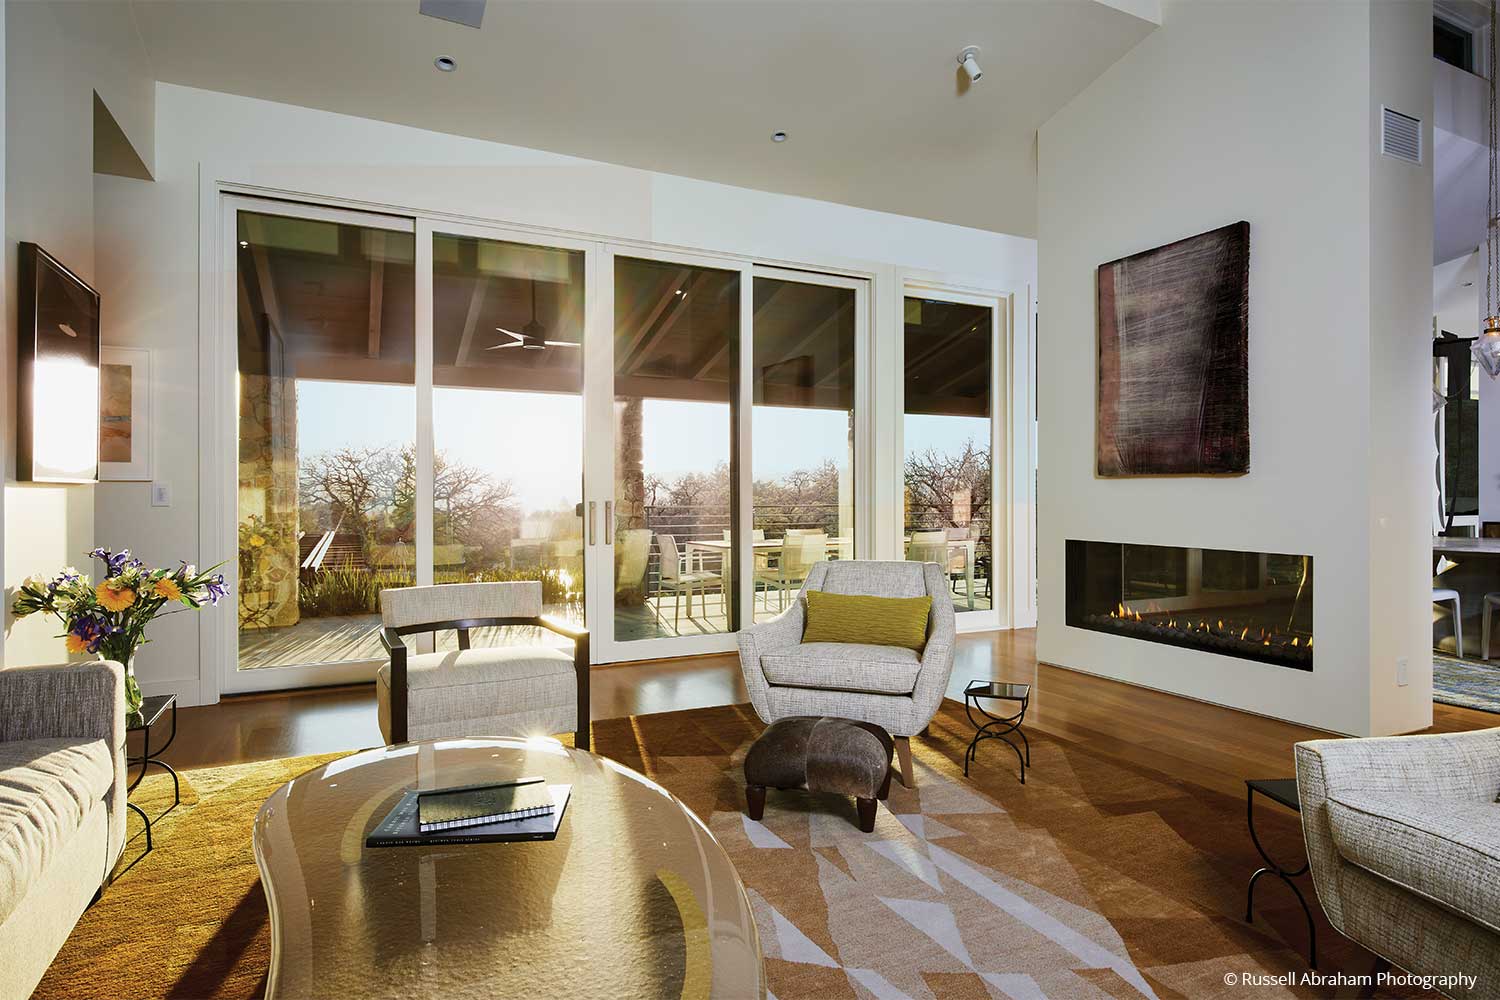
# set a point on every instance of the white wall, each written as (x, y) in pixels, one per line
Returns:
(57, 57)
(149, 261)
(1242, 110)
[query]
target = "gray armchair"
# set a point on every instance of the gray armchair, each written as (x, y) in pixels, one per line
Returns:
(890, 686)
(1403, 838)
(510, 690)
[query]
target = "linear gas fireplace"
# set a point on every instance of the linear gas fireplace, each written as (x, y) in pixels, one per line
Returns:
(1255, 605)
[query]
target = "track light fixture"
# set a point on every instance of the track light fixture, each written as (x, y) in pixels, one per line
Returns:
(969, 60)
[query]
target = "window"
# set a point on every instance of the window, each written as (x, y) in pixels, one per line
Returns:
(507, 416)
(948, 473)
(327, 425)
(1453, 44)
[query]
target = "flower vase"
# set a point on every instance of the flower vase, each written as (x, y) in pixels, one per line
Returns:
(133, 696)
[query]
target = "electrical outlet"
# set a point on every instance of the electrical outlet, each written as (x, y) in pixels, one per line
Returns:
(1403, 675)
(161, 495)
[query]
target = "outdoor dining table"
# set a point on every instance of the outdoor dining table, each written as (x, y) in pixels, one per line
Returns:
(766, 546)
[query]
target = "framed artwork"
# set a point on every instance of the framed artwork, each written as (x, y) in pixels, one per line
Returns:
(57, 376)
(1174, 384)
(125, 415)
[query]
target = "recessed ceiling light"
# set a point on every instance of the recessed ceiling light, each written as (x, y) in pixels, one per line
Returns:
(244, 244)
(446, 63)
(778, 137)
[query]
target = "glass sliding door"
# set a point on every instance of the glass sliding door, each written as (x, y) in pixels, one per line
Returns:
(948, 474)
(507, 416)
(326, 425)
(803, 380)
(676, 385)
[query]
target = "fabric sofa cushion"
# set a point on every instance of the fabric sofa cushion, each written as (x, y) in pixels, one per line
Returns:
(1443, 848)
(862, 618)
(837, 666)
(47, 787)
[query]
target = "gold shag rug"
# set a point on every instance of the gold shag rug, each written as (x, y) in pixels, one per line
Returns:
(1095, 879)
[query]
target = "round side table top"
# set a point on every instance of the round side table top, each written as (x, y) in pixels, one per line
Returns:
(634, 897)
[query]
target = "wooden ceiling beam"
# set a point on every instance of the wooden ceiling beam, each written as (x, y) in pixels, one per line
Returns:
(649, 314)
(377, 291)
(471, 320)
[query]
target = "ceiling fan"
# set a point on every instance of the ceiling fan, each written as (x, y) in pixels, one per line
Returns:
(532, 336)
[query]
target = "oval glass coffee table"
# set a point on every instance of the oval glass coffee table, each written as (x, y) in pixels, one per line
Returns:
(634, 898)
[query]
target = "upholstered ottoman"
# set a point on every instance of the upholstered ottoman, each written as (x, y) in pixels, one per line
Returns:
(821, 755)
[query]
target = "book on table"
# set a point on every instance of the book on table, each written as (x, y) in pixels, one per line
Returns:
(480, 805)
(534, 814)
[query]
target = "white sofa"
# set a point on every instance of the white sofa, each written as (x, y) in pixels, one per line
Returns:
(62, 807)
(1403, 837)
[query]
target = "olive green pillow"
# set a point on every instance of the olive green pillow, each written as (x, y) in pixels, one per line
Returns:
(878, 621)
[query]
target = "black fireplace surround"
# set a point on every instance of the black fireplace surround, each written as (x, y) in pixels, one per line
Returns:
(1254, 605)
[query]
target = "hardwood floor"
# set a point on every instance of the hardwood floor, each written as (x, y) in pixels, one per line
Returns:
(1214, 747)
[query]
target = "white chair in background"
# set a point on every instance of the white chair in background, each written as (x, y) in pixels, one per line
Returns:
(800, 552)
(928, 547)
(1445, 595)
(680, 578)
(1491, 601)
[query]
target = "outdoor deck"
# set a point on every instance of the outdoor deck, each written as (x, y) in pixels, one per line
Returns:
(356, 637)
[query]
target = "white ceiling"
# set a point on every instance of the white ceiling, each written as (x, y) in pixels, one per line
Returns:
(869, 92)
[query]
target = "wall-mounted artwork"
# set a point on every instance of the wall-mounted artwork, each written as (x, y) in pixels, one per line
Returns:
(1174, 385)
(125, 415)
(57, 378)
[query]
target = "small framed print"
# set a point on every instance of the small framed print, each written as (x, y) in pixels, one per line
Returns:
(125, 415)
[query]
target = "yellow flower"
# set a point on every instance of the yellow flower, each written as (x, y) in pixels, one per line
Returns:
(167, 587)
(76, 645)
(256, 541)
(114, 595)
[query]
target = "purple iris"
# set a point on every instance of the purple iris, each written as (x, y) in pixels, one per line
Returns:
(90, 631)
(114, 562)
(216, 588)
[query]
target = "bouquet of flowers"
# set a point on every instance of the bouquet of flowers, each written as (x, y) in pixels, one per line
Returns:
(110, 619)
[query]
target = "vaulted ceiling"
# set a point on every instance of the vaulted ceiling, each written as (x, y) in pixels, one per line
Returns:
(870, 93)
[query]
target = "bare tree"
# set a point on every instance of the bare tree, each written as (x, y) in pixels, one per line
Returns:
(940, 486)
(353, 483)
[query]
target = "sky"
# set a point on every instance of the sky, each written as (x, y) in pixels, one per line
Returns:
(536, 439)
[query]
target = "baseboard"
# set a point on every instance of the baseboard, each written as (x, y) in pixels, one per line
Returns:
(186, 689)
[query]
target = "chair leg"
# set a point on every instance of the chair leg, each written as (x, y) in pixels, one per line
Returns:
(755, 801)
(1458, 629)
(677, 611)
(866, 815)
(1484, 632)
(903, 754)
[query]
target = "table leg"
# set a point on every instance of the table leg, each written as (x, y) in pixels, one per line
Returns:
(969, 574)
(1286, 876)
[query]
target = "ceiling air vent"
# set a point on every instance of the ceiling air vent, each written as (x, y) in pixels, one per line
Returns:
(1400, 136)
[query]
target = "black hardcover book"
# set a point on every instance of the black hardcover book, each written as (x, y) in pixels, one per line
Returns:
(400, 828)
(479, 805)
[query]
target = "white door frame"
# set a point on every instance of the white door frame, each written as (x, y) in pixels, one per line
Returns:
(219, 376)
(1010, 437)
(600, 478)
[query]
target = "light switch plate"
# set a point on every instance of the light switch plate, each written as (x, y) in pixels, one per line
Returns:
(161, 495)
(1403, 674)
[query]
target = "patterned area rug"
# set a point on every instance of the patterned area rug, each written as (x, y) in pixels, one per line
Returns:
(1095, 879)
(1466, 683)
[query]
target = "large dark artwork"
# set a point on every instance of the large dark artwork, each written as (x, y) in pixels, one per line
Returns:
(1174, 380)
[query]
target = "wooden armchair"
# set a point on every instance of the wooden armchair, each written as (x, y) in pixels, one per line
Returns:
(494, 691)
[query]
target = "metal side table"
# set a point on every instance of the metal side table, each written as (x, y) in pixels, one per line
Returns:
(996, 727)
(152, 709)
(1284, 792)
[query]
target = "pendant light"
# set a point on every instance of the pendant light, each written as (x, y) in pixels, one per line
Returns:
(1486, 349)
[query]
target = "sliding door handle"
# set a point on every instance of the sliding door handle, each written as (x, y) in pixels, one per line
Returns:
(609, 522)
(593, 510)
